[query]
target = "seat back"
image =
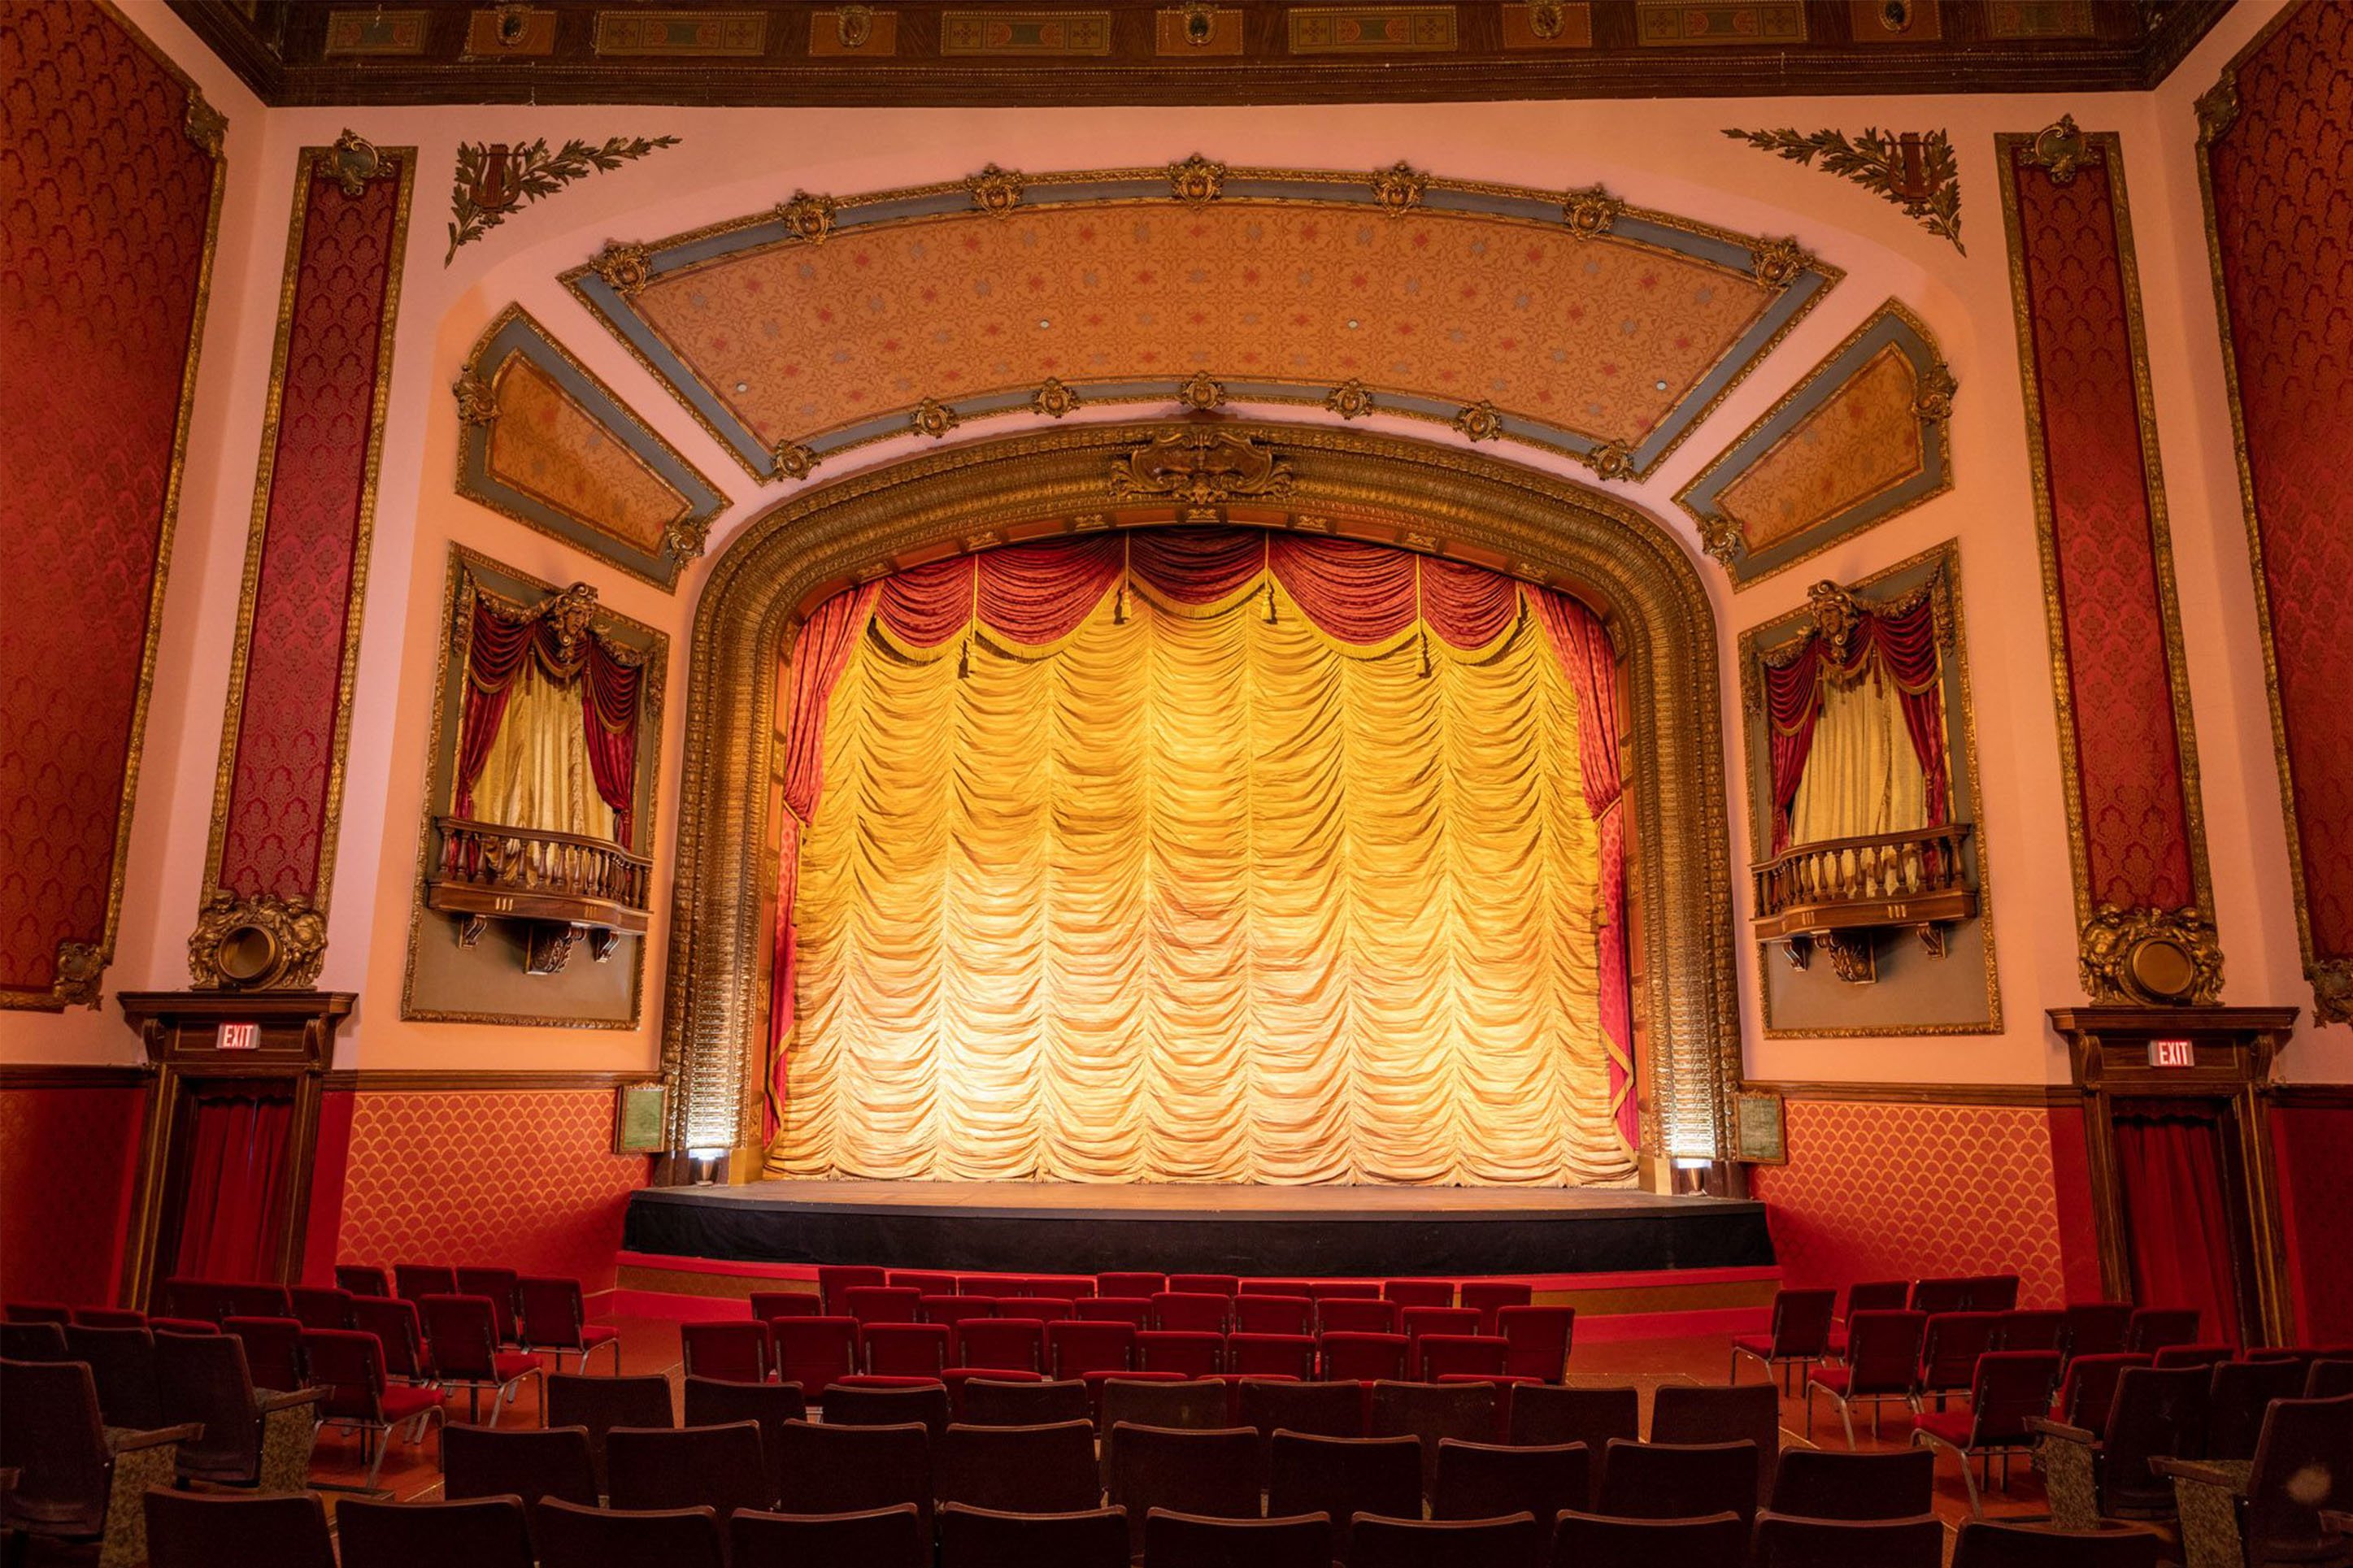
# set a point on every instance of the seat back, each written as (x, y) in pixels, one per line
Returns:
(1012, 1345)
(1786, 1541)
(1204, 1284)
(1073, 1349)
(721, 1468)
(871, 1304)
(1882, 1352)
(1274, 1315)
(2089, 1387)
(1822, 1483)
(53, 1436)
(835, 1280)
(1215, 1473)
(108, 1318)
(202, 1529)
(1431, 1413)
(2152, 1328)
(925, 1281)
(1982, 1543)
(1515, 1542)
(1174, 1539)
(2330, 1377)
(1185, 1352)
(256, 1299)
(362, 1280)
(1439, 1356)
(1191, 1312)
(1937, 1297)
(1488, 1297)
(2158, 1412)
(716, 1401)
(394, 1320)
(497, 1287)
(321, 1306)
(1019, 1470)
(904, 1350)
(32, 1342)
(1678, 1480)
(549, 1311)
(985, 1402)
(813, 1351)
(2035, 1331)
(1336, 1290)
(273, 1350)
(2095, 1328)
(2193, 1355)
(1593, 1416)
(1418, 1321)
(2237, 1399)
(1615, 1541)
(954, 1310)
(870, 1538)
(769, 1305)
(923, 1404)
(203, 1378)
(1993, 1293)
(1352, 1315)
(479, 1532)
(1193, 1404)
(1419, 1292)
(728, 1349)
(1487, 1480)
(1367, 1358)
(1540, 1338)
(987, 1538)
(1879, 1295)
(1688, 1414)
(834, 1468)
(1271, 1356)
(201, 1299)
(1318, 1409)
(2303, 1463)
(598, 1404)
(1133, 1282)
(529, 1463)
(123, 1365)
(349, 1366)
(1950, 1348)
(2009, 1389)
(415, 1282)
(461, 1335)
(1343, 1477)
(570, 1536)
(1801, 1323)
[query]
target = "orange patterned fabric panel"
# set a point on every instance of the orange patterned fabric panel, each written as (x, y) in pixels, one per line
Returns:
(1863, 440)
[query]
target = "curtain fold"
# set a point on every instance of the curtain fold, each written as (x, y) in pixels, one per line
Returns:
(609, 714)
(2169, 1164)
(503, 640)
(1900, 639)
(233, 1184)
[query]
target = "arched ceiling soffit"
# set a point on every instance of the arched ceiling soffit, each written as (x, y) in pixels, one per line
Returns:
(543, 440)
(1862, 438)
(1567, 320)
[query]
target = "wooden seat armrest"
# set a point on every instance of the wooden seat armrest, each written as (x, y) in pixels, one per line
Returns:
(129, 1439)
(2196, 1472)
(265, 1403)
(2044, 1426)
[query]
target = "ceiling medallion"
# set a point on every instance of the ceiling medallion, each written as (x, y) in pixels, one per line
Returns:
(684, 537)
(933, 418)
(1590, 211)
(1398, 188)
(2061, 149)
(1933, 402)
(1610, 461)
(353, 161)
(853, 27)
(1350, 400)
(1197, 180)
(1721, 537)
(1777, 263)
(807, 217)
(1053, 399)
(794, 460)
(626, 268)
(477, 404)
(995, 191)
(1201, 464)
(1546, 18)
(1201, 392)
(1480, 422)
(1200, 24)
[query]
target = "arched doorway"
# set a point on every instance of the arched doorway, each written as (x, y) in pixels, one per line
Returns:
(1418, 496)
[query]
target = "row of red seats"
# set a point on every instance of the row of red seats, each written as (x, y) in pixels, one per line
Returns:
(834, 1278)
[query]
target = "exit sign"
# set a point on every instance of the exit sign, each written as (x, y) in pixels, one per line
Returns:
(240, 1038)
(2172, 1054)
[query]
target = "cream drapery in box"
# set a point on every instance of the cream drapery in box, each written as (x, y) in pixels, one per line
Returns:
(1200, 893)
(1863, 776)
(537, 773)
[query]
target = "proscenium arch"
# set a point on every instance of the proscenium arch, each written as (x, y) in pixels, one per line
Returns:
(1438, 500)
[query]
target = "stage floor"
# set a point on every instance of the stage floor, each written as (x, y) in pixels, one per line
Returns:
(1077, 1228)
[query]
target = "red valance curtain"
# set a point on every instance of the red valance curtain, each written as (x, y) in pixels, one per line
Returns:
(611, 678)
(2169, 1166)
(233, 1184)
(1367, 595)
(1903, 641)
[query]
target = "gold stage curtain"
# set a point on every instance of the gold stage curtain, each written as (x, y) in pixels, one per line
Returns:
(1863, 776)
(1199, 893)
(537, 773)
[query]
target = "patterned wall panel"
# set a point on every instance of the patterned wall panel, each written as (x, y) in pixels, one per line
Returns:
(2313, 1147)
(1878, 1191)
(2278, 171)
(281, 781)
(67, 1157)
(2139, 848)
(523, 1178)
(110, 200)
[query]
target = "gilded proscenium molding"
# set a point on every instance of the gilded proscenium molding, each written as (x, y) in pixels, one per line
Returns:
(78, 976)
(469, 573)
(1342, 481)
(653, 549)
(1775, 282)
(1777, 637)
(2327, 963)
(1915, 170)
(2131, 917)
(1890, 372)
(495, 179)
(355, 166)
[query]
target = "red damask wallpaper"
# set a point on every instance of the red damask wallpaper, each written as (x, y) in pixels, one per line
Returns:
(1877, 1191)
(2071, 270)
(2313, 1149)
(66, 1163)
(2281, 177)
(346, 277)
(106, 206)
(526, 1179)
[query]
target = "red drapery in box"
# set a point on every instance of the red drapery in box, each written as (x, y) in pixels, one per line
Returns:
(1030, 596)
(2169, 1165)
(1902, 639)
(235, 1185)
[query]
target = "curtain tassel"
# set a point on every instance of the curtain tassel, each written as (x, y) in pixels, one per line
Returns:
(1119, 605)
(1425, 653)
(964, 659)
(1270, 599)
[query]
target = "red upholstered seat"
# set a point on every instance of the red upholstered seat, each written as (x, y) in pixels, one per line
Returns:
(1186, 1354)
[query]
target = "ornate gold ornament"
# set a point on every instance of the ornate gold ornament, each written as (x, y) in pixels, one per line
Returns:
(2217, 107)
(1201, 392)
(626, 268)
(264, 942)
(2155, 958)
(807, 217)
(494, 180)
(1202, 465)
(478, 401)
(1197, 180)
(512, 22)
(933, 418)
(1546, 18)
(1590, 211)
(793, 459)
(1480, 422)
(1934, 400)
(353, 161)
(206, 127)
(2059, 149)
(81, 966)
(1053, 399)
(569, 614)
(1200, 24)
(2332, 989)
(1721, 537)
(853, 27)
(1855, 957)
(1610, 461)
(1399, 189)
(1836, 614)
(684, 537)
(995, 191)
(1349, 400)
(1777, 263)
(1915, 170)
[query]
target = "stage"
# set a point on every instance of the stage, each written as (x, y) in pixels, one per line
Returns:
(1064, 1228)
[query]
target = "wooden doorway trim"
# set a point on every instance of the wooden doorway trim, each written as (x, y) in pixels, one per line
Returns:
(2233, 1051)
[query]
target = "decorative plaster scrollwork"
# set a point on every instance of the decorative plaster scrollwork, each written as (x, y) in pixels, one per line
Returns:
(807, 217)
(1197, 180)
(995, 191)
(1399, 189)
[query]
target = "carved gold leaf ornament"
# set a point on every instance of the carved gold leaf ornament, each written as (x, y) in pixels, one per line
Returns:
(853, 27)
(206, 126)
(1399, 189)
(933, 418)
(1915, 170)
(2332, 990)
(1480, 422)
(808, 217)
(81, 970)
(1349, 400)
(995, 191)
(263, 942)
(794, 459)
(2150, 957)
(493, 181)
(684, 537)
(2217, 107)
(353, 161)
(1720, 537)
(1589, 213)
(1201, 464)
(1546, 18)
(1197, 180)
(1777, 263)
(1933, 400)
(626, 268)
(478, 401)
(1201, 392)
(1053, 399)
(2059, 150)
(1610, 461)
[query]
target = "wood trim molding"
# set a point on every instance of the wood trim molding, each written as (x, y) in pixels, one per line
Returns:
(66, 1075)
(2040, 1095)
(2312, 1096)
(430, 1080)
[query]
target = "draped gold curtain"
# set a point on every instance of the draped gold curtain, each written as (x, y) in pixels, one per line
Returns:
(1864, 774)
(537, 773)
(1201, 894)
